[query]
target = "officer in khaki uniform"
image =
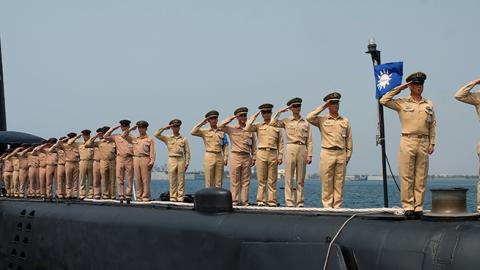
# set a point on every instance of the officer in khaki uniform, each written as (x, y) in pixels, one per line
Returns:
(143, 160)
(465, 95)
(418, 123)
(33, 166)
(213, 138)
(269, 154)
(97, 191)
(299, 150)
(23, 172)
(178, 158)
(106, 151)
(16, 171)
(336, 149)
(7, 172)
(41, 152)
(60, 187)
(124, 161)
(51, 160)
(85, 165)
(72, 158)
(242, 158)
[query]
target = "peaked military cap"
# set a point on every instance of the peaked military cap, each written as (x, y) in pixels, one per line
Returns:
(100, 129)
(294, 101)
(175, 122)
(124, 122)
(71, 134)
(335, 96)
(265, 107)
(142, 123)
(105, 129)
(417, 77)
(62, 138)
(240, 111)
(52, 140)
(211, 114)
(86, 132)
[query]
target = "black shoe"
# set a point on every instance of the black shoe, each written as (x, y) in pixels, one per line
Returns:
(418, 214)
(409, 213)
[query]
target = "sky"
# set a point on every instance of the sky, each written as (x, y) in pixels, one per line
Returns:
(71, 65)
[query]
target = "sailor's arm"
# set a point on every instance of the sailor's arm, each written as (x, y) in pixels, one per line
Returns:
(275, 119)
(249, 126)
(158, 134)
(280, 147)
(313, 117)
(388, 101)
(108, 135)
(309, 145)
(196, 131)
(349, 142)
(432, 132)
(464, 94)
(226, 122)
(187, 153)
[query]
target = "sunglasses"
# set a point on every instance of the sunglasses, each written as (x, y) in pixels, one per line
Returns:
(296, 106)
(266, 112)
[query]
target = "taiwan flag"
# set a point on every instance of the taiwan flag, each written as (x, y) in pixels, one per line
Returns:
(387, 77)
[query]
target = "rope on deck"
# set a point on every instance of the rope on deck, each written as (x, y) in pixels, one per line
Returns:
(393, 210)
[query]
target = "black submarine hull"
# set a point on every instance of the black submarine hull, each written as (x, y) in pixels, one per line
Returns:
(84, 235)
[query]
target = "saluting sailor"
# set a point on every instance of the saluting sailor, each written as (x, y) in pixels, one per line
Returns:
(336, 149)
(299, 150)
(417, 119)
(465, 95)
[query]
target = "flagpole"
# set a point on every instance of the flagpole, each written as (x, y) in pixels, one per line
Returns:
(375, 54)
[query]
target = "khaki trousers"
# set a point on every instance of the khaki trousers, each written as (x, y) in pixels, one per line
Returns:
(14, 183)
(60, 179)
(23, 181)
(51, 173)
(333, 165)
(107, 172)
(295, 163)
(213, 166)
(71, 177)
(33, 181)
(124, 170)
(176, 174)
(42, 178)
(413, 170)
(240, 175)
(142, 177)
(7, 180)
(267, 174)
(97, 192)
(86, 172)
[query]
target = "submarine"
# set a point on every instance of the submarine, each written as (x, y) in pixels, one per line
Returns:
(212, 234)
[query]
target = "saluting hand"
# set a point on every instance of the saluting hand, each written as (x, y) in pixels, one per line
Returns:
(257, 113)
(404, 86)
(167, 127)
(230, 119)
(477, 81)
(204, 121)
(285, 109)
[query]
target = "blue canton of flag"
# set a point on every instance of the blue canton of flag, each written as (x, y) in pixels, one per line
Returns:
(387, 77)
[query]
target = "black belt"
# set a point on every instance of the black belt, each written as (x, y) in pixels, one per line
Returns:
(267, 148)
(332, 148)
(418, 136)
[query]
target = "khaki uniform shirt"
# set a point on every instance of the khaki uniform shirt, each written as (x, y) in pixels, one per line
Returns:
(86, 153)
(177, 146)
(268, 137)
(42, 158)
(336, 132)
(51, 158)
(297, 131)
(61, 157)
(23, 159)
(241, 141)
(124, 148)
(416, 118)
(71, 150)
(212, 138)
(106, 149)
(464, 95)
(32, 160)
(144, 147)
(7, 165)
(15, 163)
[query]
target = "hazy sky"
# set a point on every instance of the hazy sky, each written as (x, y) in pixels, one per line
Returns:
(71, 65)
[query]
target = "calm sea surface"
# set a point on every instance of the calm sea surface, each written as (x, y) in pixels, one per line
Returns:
(358, 194)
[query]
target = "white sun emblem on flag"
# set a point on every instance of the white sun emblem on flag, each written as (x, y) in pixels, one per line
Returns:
(384, 79)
